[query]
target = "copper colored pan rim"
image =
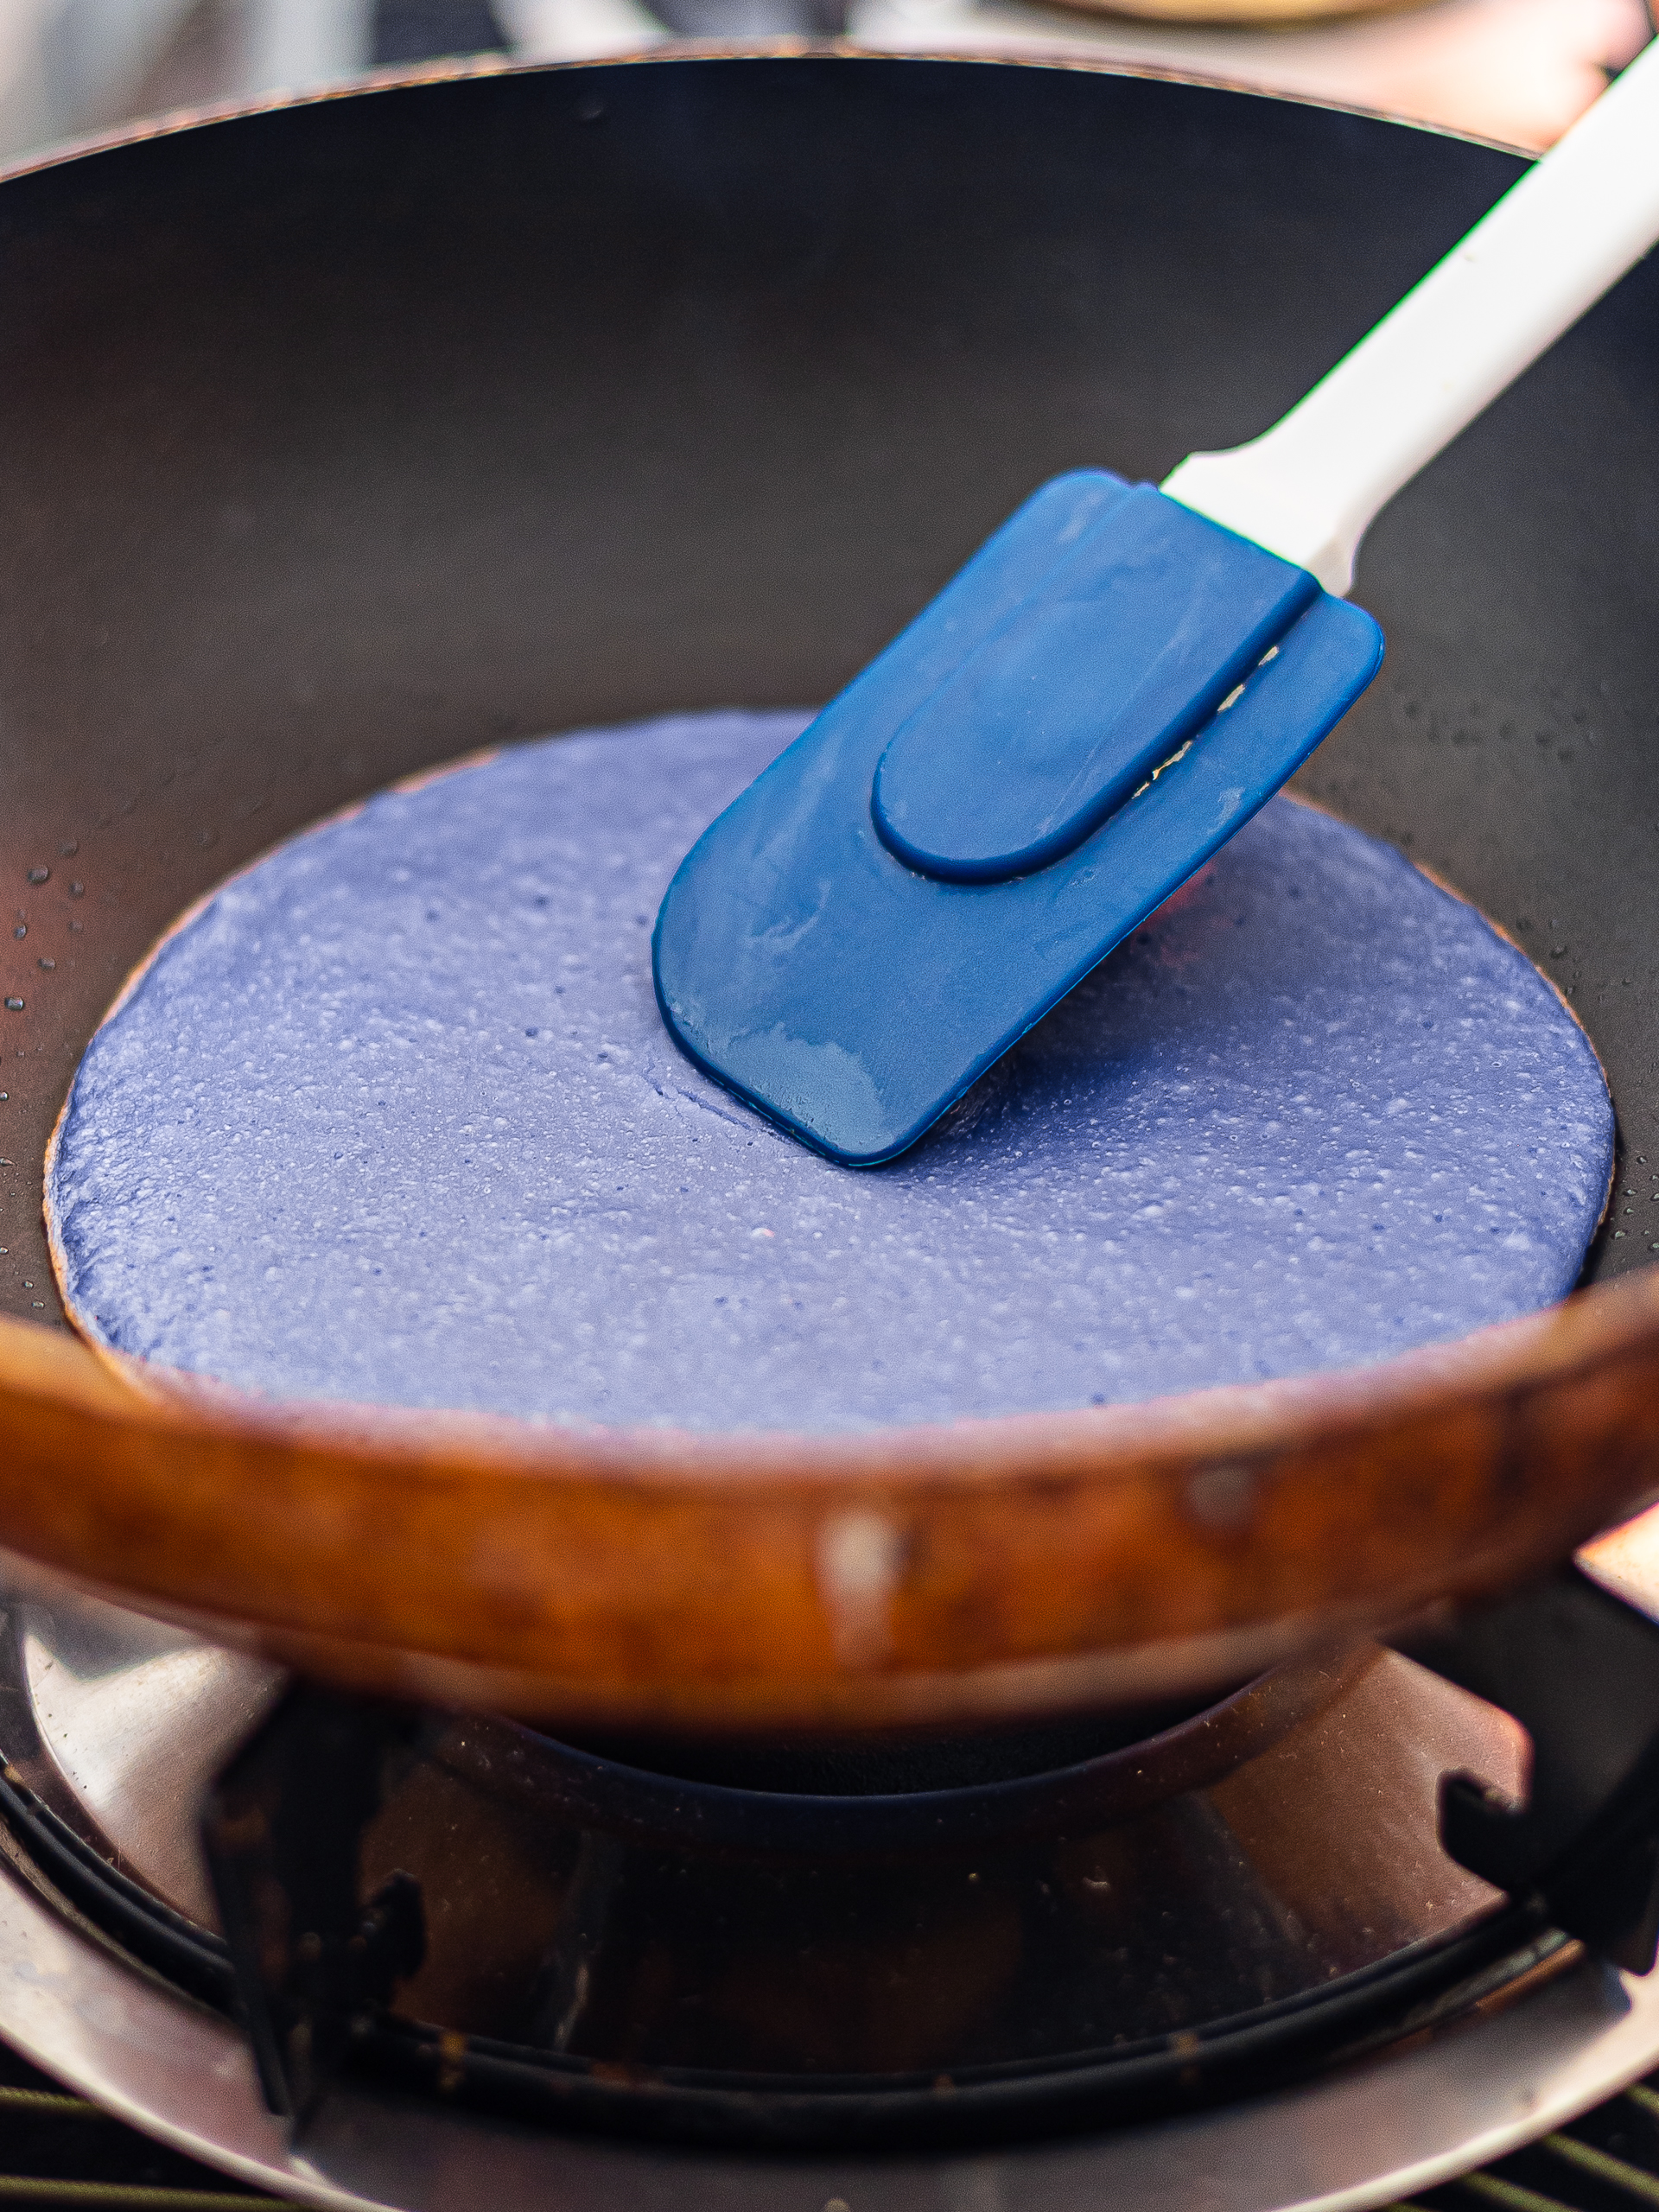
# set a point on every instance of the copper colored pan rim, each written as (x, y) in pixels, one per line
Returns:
(1246, 15)
(1033, 1563)
(1082, 61)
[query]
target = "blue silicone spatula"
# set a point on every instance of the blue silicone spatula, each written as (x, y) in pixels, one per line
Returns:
(1108, 690)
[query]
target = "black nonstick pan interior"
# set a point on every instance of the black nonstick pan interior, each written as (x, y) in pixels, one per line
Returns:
(344, 439)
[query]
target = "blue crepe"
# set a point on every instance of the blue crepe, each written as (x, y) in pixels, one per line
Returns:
(394, 1118)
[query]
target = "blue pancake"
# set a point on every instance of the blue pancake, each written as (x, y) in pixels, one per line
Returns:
(393, 1117)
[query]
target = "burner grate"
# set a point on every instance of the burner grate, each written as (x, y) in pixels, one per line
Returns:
(56, 2148)
(1607, 2162)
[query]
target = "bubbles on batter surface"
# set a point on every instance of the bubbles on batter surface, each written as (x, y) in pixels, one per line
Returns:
(394, 1118)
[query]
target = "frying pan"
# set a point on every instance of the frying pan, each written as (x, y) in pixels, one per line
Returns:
(342, 438)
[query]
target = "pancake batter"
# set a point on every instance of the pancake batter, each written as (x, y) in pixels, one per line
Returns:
(393, 1118)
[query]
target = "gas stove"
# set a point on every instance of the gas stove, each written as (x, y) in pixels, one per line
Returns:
(1214, 1957)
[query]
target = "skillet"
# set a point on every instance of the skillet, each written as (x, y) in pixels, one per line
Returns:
(342, 438)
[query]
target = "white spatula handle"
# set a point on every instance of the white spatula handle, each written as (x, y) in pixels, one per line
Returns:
(1308, 488)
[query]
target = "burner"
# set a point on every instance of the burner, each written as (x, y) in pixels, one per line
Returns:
(719, 1959)
(708, 1962)
(941, 1958)
(816, 1949)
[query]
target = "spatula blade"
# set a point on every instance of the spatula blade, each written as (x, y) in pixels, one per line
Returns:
(852, 998)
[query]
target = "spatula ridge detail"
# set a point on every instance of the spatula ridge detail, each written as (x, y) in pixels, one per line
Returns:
(1127, 645)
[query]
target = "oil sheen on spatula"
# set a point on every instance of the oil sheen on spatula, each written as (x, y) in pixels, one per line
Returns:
(1110, 689)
